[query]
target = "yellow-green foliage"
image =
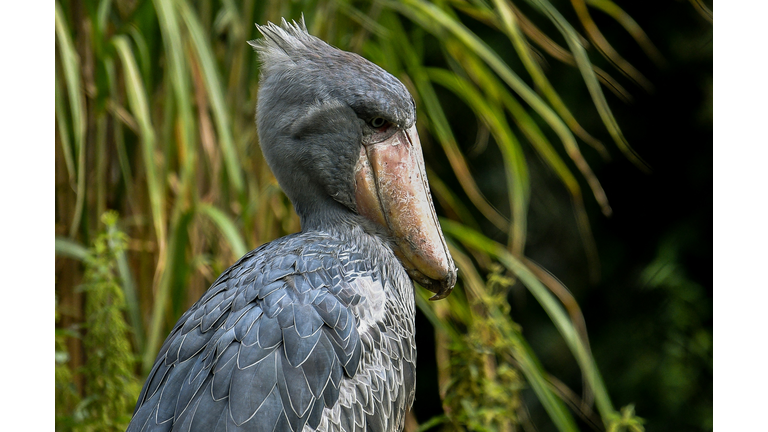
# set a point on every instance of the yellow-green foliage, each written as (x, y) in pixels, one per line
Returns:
(67, 398)
(111, 385)
(484, 393)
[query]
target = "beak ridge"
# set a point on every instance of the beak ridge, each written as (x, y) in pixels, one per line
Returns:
(392, 190)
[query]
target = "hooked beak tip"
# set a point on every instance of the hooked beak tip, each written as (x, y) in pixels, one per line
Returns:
(443, 288)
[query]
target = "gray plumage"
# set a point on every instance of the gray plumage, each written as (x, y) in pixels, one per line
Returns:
(313, 331)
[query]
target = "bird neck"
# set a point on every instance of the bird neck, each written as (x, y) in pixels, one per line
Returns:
(329, 216)
(324, 214)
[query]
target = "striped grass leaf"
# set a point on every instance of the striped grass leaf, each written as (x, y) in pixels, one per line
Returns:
(118, 136)
(137, 100)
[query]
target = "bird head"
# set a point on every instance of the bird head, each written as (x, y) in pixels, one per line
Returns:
(339, 133)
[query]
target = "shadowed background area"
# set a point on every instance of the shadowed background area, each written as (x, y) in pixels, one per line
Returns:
(526, 113)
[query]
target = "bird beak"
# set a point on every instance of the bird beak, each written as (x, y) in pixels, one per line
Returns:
(392, 190)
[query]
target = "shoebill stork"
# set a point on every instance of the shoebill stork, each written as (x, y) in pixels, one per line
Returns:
(315, 331)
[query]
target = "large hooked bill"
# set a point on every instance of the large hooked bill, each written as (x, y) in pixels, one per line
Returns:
(392, 190)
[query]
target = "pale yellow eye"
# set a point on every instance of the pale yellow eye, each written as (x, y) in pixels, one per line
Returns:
(378, 122)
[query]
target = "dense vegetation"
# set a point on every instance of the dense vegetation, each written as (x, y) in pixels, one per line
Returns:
(160, 186)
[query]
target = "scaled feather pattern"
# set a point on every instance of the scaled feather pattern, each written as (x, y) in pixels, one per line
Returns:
(301, 334)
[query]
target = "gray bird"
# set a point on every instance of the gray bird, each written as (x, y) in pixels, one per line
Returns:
(315, 331)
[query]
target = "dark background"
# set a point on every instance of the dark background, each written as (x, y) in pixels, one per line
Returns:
(649, 315)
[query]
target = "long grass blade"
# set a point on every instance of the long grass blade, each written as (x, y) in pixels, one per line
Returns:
(512, 29)
(214, 88)
(117, 129)
(585, 67)
(139, 106)
(70, 62)
(129, 289)
(137, 100)
(177, 77)
(631, 26)
(571, 306)
(516, 170)
(605, 47)
(63, 130)
(227, 228)
(70, 248)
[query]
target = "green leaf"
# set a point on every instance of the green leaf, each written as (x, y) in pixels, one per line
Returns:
(226, 227)
(71, 64)
(70, 248)
(585, 66)
(215, 92)
(137, 100)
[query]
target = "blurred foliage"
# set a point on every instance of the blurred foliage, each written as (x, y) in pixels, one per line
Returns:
(671, 356)
(687, 340)
(67, 397)
(111, 386)
(154, 119)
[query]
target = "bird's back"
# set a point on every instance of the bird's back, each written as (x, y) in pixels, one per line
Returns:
(309, 332)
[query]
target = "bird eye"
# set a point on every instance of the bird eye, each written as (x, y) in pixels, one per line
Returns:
(378, 122)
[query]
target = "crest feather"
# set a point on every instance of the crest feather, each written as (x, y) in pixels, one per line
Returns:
(282, 40)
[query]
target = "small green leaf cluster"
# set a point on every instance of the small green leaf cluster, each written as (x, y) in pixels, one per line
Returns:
(110, 383)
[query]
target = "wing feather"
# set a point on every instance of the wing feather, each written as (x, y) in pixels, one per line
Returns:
(265, 349)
